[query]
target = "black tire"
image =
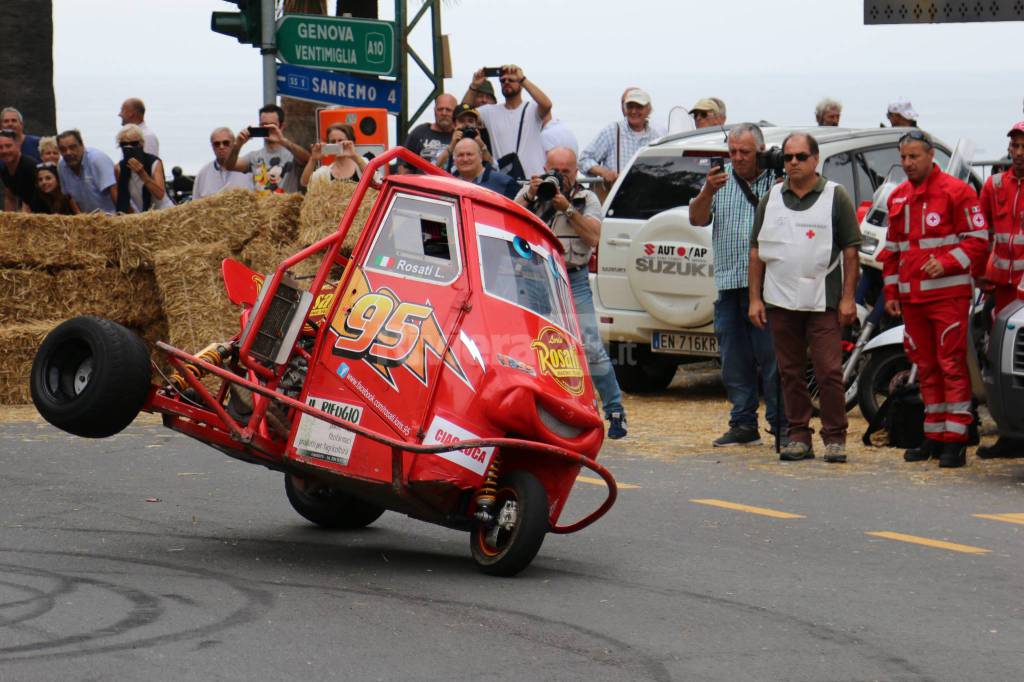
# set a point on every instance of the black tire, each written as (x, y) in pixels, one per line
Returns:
(90, 377)
(644, 372)
(329, 507)
(876, 378)
(507, 552)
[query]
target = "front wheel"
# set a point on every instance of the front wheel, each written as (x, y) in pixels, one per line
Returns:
(522, 522)
(885, 368)
(639, 370)
(90, 377)
(329, 507)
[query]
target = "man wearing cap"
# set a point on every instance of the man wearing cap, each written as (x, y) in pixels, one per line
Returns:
(707, 112)
(937, 234)
(430, 139)
(617, 143)
(467, 119)
(484, 93)
(1003, 206)
(901, 114)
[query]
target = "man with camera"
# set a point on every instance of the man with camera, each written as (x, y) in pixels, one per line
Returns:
(467, 126)
(515, 126)
(618, 142)
(276, 167)
(469, 166)
(803, 231)
(728, 201)
(574, 215)
(430, 139)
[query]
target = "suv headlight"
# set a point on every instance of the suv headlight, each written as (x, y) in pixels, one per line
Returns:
(868, 245)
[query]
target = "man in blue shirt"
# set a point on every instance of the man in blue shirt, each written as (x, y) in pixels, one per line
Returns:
(86, 174)
(10, 119)
(469, 166)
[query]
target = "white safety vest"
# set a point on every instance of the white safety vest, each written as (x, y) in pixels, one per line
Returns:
(796, 247)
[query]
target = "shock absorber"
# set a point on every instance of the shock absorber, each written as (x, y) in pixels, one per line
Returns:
(488, 493)
(214, 354)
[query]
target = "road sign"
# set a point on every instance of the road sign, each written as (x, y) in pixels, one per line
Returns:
(346, 90)
(932, 12)
(338, 43)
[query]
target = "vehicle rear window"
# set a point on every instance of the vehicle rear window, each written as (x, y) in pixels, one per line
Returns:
(658, 183)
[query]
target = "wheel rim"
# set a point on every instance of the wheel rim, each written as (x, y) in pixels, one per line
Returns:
(494, 541)
(82, 375)
(69, 370)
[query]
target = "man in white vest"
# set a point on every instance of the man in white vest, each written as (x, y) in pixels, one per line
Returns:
(804, 229)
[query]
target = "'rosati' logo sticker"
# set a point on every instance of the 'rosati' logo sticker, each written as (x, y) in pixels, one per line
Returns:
(558, 358)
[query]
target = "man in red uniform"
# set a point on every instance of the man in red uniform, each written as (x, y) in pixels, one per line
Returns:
(937, 232)
(1002, 202)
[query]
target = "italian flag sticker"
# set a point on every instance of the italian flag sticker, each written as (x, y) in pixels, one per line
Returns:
(384, 261)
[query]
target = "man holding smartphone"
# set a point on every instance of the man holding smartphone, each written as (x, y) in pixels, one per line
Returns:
(276, 167)
(515, 126)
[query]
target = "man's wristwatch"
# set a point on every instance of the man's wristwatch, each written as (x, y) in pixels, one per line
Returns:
(569, 213)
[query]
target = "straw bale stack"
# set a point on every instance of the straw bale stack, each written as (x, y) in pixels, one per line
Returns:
(20, 342)
(48, 241)
(323, 209)
(21, 292)
(233, 216)
(192, 292)
(279, 228)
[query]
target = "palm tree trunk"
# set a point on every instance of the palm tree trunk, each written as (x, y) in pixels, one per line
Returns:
(26, 56)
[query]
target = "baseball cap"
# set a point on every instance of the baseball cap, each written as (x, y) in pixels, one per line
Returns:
(706, 104)
(904, 108)
(486, 87)
(637, 96)
(1018, 127)
(464, 109)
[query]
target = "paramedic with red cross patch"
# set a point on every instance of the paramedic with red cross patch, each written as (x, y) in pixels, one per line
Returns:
(937, 235)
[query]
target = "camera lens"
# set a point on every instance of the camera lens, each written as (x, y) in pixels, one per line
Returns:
(547, 189)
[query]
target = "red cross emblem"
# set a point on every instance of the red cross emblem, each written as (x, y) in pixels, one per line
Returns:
(810, 234)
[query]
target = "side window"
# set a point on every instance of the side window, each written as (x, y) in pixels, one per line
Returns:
(419, 239)
(839, 168)
(876, 164)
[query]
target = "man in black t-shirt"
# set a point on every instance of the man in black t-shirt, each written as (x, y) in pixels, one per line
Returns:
(18, 174)
(430, 139)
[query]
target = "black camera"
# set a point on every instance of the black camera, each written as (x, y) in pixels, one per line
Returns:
(470, 132)
(771, 159)
(550, 185)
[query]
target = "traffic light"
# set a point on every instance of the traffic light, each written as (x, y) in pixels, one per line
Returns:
(244, 25)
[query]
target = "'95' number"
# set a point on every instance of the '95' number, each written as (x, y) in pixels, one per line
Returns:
(385, 329)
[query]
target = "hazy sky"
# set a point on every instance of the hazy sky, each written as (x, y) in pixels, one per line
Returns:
(767, 60)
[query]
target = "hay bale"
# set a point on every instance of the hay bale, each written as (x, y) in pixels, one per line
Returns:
(45, 241)
(232, 216)
(20, 342)
(131, 298)
(276, 240)
(323, 209)
(24, 295)
(191, 289)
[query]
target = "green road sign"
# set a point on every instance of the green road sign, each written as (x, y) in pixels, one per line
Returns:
(337, 43)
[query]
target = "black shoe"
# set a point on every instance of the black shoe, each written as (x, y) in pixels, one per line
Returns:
(953, 455)
(738, 435)
(1003, 447)
(616, 425)
(926, 450)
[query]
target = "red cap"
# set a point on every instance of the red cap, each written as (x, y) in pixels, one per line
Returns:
(1018, 127)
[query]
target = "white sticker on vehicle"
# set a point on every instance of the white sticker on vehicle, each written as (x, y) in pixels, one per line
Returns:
(442, 431)
(322, 440)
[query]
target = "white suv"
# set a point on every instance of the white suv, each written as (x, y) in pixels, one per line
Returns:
(654, 286)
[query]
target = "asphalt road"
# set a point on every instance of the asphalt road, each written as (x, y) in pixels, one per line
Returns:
(149, 556)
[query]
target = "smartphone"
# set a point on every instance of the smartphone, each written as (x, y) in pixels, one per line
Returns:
(492, 72)
(718, 162)
(331, 148)
(132, 153)
(258, 131)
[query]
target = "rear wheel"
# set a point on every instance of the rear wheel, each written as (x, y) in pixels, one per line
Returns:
(641, 371)
(883, 370)
(90, 377)
(522, 522)
(329, 507)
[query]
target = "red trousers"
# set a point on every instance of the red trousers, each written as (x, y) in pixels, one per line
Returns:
(935, 339)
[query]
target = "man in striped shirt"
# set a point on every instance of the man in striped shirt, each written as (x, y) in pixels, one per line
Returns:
(617, 142)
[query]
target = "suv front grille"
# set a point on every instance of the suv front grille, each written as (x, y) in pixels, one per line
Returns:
(1018, 352)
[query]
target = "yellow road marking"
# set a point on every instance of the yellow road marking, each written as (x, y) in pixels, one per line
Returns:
(600, 481)
(1008, 518)
(751, 510)
(928, 542)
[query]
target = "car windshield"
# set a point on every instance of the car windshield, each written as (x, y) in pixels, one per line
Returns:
(658, 183)
(525, 275)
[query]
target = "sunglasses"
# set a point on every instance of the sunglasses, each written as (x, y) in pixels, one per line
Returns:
(799, 156)
(701, 114)
(916, 136)
(131, 143)
(221, 143)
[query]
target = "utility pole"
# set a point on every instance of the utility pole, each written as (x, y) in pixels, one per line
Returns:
(268, 50)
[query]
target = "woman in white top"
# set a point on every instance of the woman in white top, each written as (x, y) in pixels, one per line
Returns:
(347, 164)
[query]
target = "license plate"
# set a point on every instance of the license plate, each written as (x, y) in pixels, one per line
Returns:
(687, 344)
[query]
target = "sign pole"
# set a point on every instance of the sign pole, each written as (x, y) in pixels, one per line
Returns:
(268, 50)
(403, 69)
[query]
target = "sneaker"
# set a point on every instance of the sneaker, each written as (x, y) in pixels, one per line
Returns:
(738, 435)
(796, 451)
(1003, 447)
(835, 453)
(926, 450)
(616, 425)
(953, 455)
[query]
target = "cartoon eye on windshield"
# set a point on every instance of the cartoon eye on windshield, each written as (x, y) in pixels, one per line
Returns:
(522, 247)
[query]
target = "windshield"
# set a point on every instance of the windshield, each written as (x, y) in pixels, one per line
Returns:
(658, 183)
(525, 275)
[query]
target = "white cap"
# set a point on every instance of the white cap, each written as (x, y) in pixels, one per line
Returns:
(904, 108)
(637, 96)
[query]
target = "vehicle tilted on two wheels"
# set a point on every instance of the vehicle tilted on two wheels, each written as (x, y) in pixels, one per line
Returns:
(441, 375)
